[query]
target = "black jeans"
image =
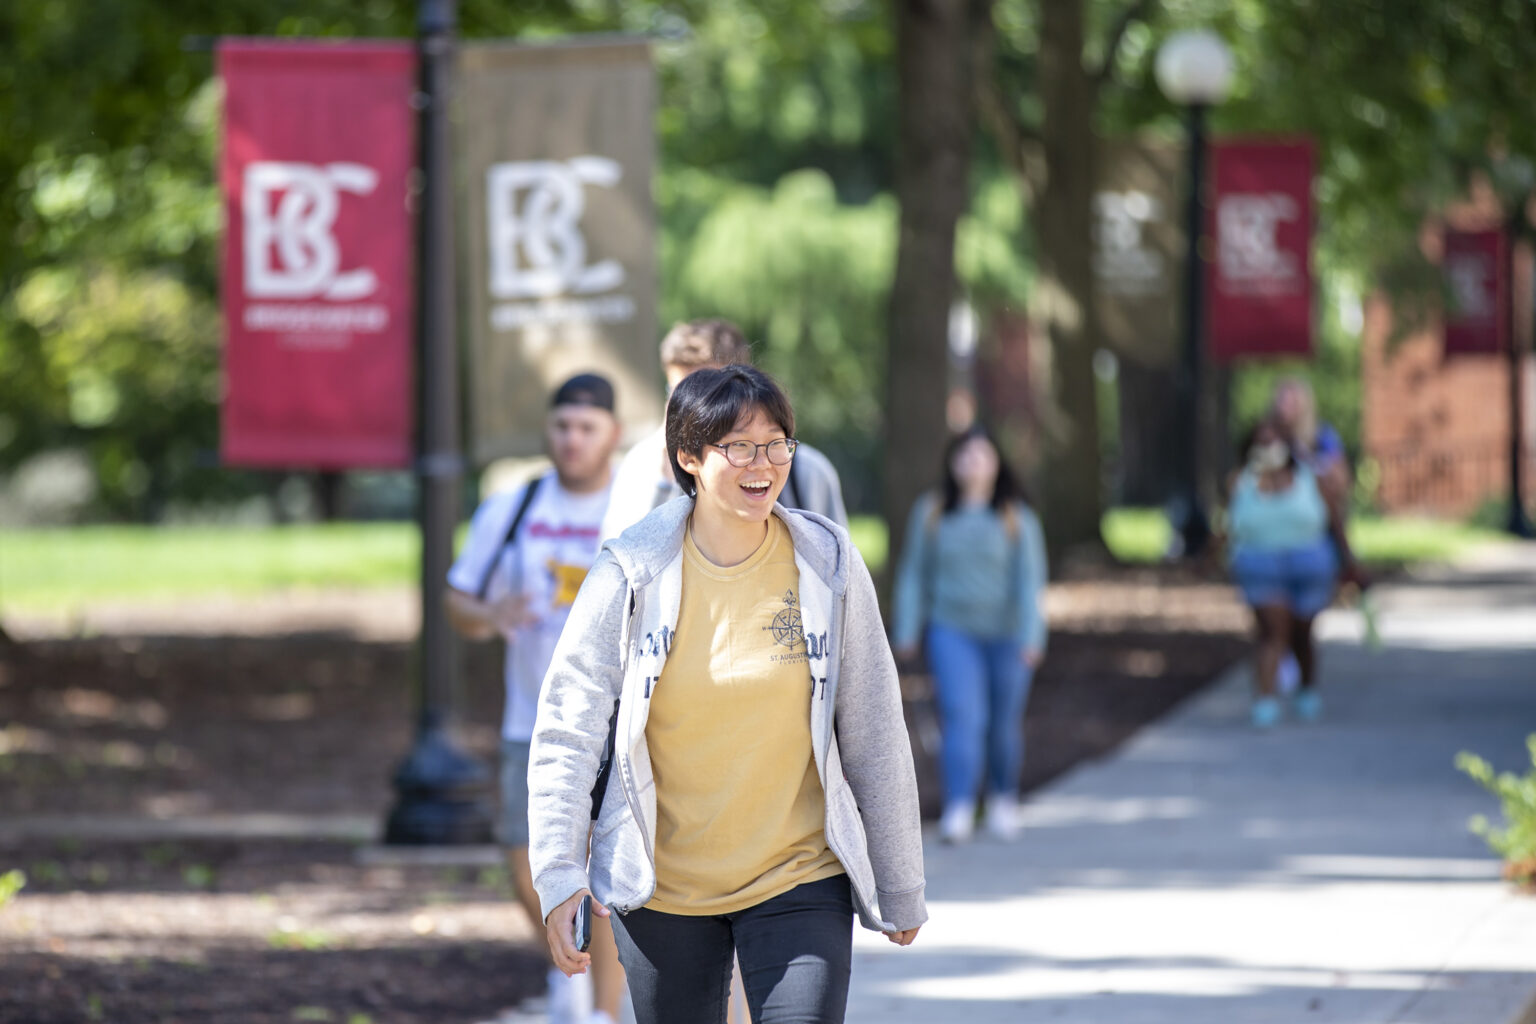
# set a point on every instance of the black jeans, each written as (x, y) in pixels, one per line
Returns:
(795, 952)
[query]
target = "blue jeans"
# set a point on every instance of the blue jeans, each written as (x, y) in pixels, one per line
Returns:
(795, 950)
(981, 684)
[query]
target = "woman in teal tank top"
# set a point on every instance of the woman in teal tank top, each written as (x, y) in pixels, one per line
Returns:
(1285, 560)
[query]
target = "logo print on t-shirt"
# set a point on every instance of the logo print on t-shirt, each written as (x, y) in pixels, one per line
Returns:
(568, 580)
(786, 628)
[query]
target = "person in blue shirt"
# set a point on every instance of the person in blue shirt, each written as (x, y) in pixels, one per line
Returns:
(1317, 443)
(969, 586)
(1281, 522)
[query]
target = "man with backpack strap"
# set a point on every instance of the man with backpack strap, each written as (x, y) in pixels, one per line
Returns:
(525, 557)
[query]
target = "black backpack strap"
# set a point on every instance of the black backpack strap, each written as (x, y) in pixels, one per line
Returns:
(605, 764)
(511, 534)
(610, 747)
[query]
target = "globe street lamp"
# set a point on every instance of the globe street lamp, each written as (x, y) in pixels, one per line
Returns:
(1194, 70)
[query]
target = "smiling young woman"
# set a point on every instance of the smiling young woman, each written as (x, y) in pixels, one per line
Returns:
(762, 791)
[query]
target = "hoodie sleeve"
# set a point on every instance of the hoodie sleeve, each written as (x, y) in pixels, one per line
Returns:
(1029, 595)
(576, 702)
(908, 598)
(877, 755)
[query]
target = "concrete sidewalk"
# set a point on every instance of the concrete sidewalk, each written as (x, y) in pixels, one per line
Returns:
(1207, 874)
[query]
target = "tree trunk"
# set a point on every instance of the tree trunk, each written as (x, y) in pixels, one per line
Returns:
(1064, 308)
(328, 484)
(933, 158)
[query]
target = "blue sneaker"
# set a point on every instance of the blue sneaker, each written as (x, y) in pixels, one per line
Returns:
(1265, 713)
(1308, 705)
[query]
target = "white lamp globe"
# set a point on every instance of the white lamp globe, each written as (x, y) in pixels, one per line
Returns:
(1194, 67)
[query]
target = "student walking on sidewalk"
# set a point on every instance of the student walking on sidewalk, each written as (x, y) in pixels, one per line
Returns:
(522, 564)
(761, 792)
(1285, 553)
(970, 583)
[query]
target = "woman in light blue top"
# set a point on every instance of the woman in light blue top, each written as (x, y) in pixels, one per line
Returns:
(970, 583)
(1285, 561)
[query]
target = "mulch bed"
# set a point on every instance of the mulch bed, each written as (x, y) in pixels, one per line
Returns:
(315, 723)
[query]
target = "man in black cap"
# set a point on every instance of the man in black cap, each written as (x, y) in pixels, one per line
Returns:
(524, 559)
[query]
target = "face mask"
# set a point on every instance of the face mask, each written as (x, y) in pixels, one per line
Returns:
(1265, 458)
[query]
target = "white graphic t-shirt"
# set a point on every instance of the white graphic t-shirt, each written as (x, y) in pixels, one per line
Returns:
(556, 544)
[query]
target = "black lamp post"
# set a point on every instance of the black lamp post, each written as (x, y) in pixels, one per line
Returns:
(1194, 69)
(440, 790)
(1518, 524)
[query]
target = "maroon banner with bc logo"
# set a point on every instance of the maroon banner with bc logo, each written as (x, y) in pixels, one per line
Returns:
(318, 149)
(1259, 275)
(1473, 265)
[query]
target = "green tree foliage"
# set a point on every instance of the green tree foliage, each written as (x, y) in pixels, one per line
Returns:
(807, 277)
(110, 224)
(1404, 103)
(775, 135)
(1402, 100)
(108, 321)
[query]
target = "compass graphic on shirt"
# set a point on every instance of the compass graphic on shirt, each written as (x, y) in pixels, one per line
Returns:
(786, 628)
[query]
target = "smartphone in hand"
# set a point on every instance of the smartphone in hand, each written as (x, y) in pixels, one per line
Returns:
(582, 926)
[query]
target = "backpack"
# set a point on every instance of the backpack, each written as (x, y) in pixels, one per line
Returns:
(790, 496)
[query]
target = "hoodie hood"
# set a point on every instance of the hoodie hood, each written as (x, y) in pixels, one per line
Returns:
(643, 550)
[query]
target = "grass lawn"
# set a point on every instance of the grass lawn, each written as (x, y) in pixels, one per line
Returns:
(1142, 535)
(54, 570)
(49, 570)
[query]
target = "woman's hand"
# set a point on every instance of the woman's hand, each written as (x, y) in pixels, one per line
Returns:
(903, 938)
(560, 933)
(1032, 656)
(1353, 573)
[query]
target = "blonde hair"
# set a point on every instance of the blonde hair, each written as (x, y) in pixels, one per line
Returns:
(713, 342)
(1304, 429)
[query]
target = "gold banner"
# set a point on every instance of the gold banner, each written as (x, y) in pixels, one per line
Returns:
(557, 145)
(1138, 252)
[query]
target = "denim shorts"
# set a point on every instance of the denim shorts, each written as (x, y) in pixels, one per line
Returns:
(512, 822)
(1302, 579)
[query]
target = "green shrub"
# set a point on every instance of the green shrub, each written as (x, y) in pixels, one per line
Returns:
(1516, 841)
(10, 884)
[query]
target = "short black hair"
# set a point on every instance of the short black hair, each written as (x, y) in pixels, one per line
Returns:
(708, 404)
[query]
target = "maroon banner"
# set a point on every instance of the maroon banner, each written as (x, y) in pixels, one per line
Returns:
(319, 145)
(1259, 274)
(1473, 265)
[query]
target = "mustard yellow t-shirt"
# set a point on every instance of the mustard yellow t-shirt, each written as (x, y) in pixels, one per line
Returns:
(740, 810)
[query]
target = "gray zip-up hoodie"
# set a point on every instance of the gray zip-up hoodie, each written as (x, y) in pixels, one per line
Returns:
(615, 643)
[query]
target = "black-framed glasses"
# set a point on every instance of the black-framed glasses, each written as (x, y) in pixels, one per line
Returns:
(742, 454)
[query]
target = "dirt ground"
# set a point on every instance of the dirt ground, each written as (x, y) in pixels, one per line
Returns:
(280, 707)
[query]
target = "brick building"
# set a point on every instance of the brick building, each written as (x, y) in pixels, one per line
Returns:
(1436, 430)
